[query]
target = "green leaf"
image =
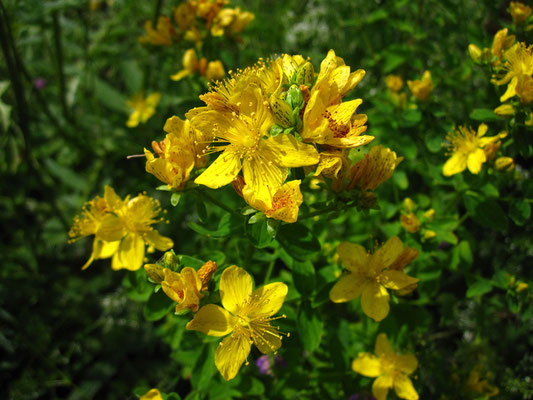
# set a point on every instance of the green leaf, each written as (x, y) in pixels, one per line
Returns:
(479, 288)
(519, 211)
(400, 179)
(225, 227)
(158, 306)
(133, 75)
(411, 117)
(299, 242)
(187, 261)
(484, 114)
(303, 274)
(205, 368)
(433, 142)
(378, 15)
(66, 175)
(310, 327)
(487, 213)
(258, 233)
(109, 96)
(201, 209)
(175, 199)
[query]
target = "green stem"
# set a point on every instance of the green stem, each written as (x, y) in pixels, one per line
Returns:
(333, 207)
(269, 271)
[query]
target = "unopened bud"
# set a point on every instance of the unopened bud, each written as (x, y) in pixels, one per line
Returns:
(429, 234)
(295, 98)
(305, 74)
(289, 66)
(475, 52)
(504, 164)
(282, 111)
(170, 260)
(155, 272)
(505, 110)
(430, 214)
(408, 204)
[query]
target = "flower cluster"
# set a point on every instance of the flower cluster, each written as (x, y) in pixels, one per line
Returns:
(122, 229)
(195, 20)
(370, 275)
(268, 119)
(414, 222)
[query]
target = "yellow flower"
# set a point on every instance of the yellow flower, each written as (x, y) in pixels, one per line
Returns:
(178, 154)
(408, 204)
(394, 83)
(421, 88)
(328, 120)
(410, 222)
(377, 167)
(152, 394)
(142, 109)
(392, 370)
(246, 315)
(501, 42)
(240, 124)
(184, 14)
(121, 229)
(520, 12)
(212, 71)
(519, 65)
(467, 147)
(161, 36)
(524, 88)
(185, 287)
(241, 19)
(477, 385)
(370, 276)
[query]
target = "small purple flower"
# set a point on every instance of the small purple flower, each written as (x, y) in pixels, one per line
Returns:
(39, 83)
(264, 363)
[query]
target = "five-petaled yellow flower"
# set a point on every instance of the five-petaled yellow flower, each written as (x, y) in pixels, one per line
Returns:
(122, 229)
(329, 120)
(519, 11)
(519, 67)
(370, 275)
(240, 126)
(390, 369)
(421, 88)
(468, 150)
(246, 315)
(142, 108)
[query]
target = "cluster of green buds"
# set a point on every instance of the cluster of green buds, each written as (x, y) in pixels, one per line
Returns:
(288, 101)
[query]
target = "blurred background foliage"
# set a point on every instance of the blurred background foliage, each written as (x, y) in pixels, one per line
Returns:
(67, 333)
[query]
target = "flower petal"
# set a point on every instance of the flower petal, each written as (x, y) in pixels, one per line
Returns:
(231, 354)
(375, 301)
(130, 253)
(381, 386)
(386, 254)
(406, 363)
(367, 364)
(110, 229)
(222, 171)
(476, 160)
(404, 387)
(455, 164)
(235, 288)
(212, 320)
(268, 342)
(158, 241)
(263, 179)
(269, 299)
(396, 280)
(347, 288)
(383, 346)
(354, 257)
(286, 151)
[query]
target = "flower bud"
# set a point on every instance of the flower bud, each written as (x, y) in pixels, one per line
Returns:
(504, 164)
(505, 110)
(282, 111)
(475, 52)
(305, 74)
(155, 272)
